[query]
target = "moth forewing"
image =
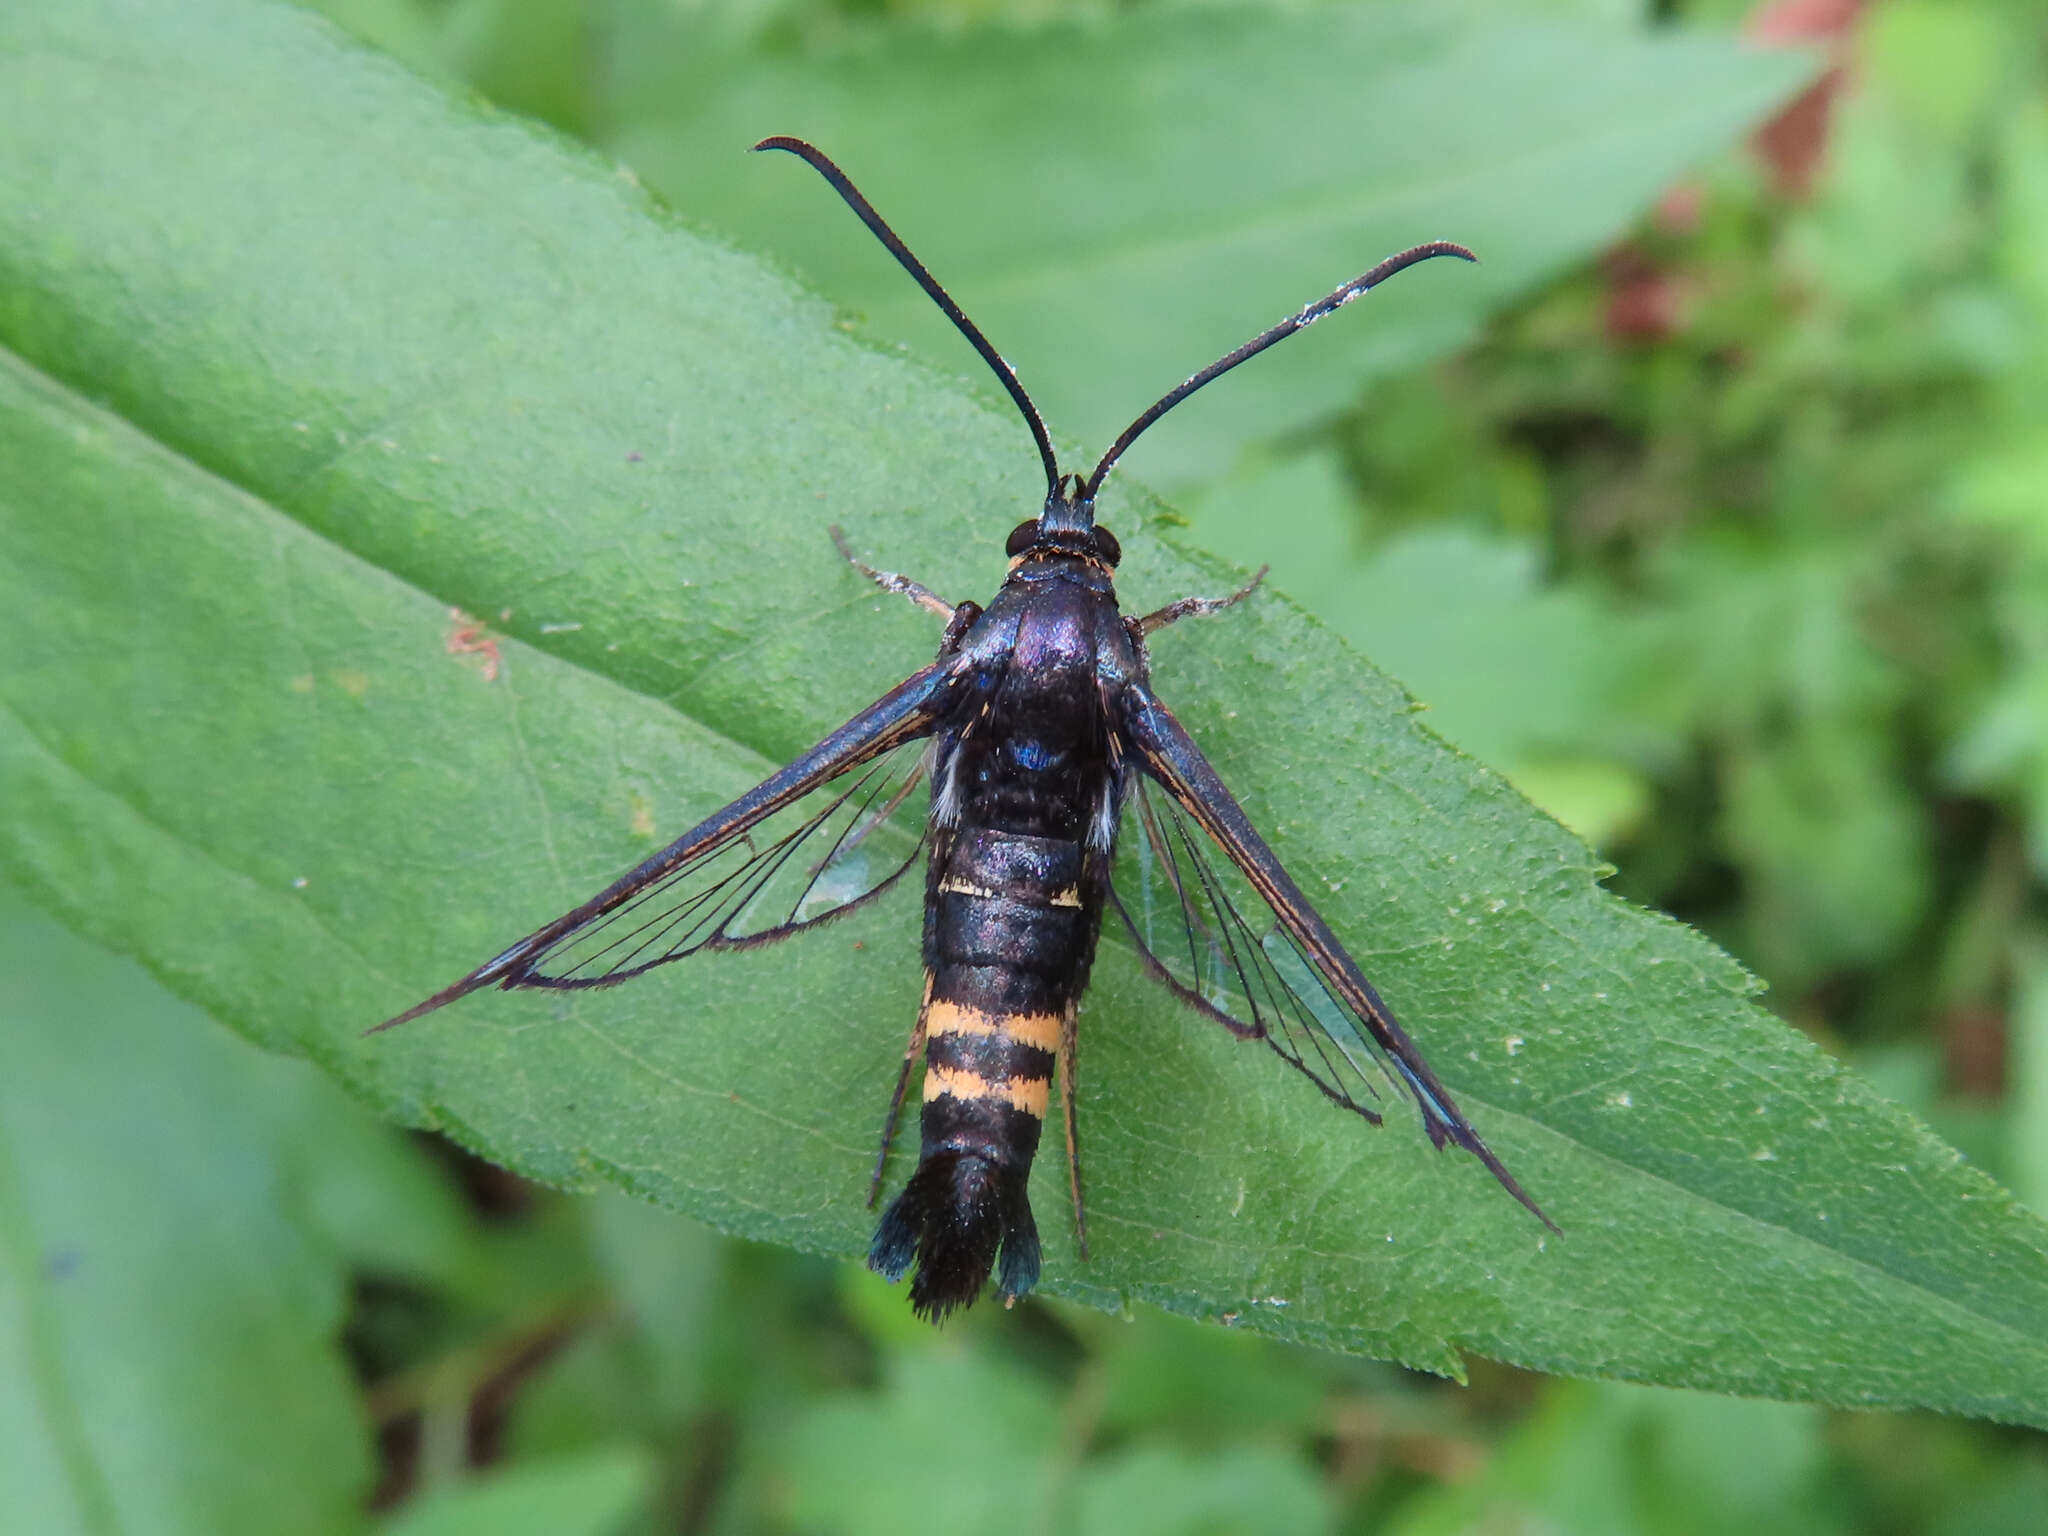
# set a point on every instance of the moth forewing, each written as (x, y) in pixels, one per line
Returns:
(1310, 1000)
(608, 932)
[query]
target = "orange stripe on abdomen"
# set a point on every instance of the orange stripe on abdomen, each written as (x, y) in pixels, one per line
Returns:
(1028, 1094)
(949, 1018)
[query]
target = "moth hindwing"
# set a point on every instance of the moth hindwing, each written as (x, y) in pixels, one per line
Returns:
(1055, 787)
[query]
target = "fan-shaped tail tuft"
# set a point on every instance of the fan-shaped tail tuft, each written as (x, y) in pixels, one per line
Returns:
(952, 1219)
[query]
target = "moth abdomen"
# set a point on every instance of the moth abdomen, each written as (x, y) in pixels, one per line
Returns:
(1009, 941)
(987, 1079)
(958, 1212)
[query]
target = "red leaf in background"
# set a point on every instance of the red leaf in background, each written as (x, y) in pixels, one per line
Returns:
(1644, 302)
(1647, 302)
(1794, 143)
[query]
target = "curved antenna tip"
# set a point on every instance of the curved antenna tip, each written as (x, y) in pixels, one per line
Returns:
(1364, 283)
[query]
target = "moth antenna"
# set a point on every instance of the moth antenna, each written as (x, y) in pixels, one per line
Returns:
(879, 227)
(1299, 321)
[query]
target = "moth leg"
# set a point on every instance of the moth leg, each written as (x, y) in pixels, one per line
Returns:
(889, 581)
(1189, 607)
(1069, 1052)
(910, 1054)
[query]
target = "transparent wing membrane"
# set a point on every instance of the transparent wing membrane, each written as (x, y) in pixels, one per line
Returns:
(1220, 922)
(825, 853)
(1204, 931)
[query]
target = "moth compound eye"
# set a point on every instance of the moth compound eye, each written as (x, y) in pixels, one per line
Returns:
(1106, 546)
(1022, 537)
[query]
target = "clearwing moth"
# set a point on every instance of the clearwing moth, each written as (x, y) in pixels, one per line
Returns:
(1039, 737)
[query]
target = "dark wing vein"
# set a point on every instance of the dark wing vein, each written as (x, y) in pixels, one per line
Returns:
(792, 852)
(1259, 985)
(756, 889)
(1281, 976)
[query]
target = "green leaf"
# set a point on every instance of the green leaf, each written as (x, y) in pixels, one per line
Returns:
(1206, 1385)
(856, 1461)
(1617, 1460)
(1833, 845)
(2028, 1092)
(1014, 1463)
(592, 1494)
(1239, 1491)
(169, 1356)
(1120, 200)
(1513, 673)
(301, 354)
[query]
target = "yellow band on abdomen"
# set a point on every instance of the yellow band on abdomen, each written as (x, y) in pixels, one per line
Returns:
(1039, 1029)
(1028, 1094)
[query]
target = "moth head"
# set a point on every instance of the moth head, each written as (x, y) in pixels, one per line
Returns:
(1067, 526)
(1094, 543)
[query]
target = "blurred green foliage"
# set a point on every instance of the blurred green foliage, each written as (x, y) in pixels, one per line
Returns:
(1732, 550)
